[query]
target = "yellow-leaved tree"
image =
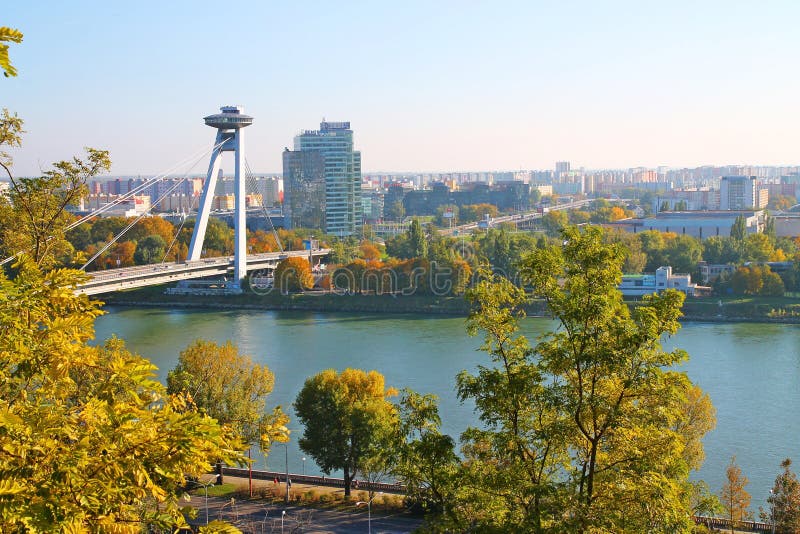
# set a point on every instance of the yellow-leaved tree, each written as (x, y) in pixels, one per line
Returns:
(89, 440)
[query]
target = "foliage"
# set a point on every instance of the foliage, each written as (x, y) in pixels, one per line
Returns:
(10, 135)
(622, 411)
(784, 501)
(554, 221)
(589, 430)
(294, 274)
(229, 387)
(34, 217)
(739, 229)
(756, 280)
(89, 440)
(151, 249)
(476, 212)
(347, 419)
(8, 35)
(735, 499)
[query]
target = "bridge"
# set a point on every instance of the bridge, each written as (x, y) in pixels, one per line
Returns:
(229, 125)
(156, 274)
(520, 219)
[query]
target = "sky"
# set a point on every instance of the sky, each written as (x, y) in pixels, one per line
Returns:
(427, 86)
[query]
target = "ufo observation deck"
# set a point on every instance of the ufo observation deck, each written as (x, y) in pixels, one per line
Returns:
(231, 118)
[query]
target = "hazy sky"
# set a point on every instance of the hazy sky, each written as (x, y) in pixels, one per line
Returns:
(427, 86)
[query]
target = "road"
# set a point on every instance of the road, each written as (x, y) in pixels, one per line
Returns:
(262, 517)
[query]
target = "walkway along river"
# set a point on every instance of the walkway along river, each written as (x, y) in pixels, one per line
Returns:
(751, 371)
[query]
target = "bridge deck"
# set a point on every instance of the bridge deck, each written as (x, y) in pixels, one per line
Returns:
(148, 275)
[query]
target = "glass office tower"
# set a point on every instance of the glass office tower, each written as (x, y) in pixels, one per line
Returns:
(323, 161)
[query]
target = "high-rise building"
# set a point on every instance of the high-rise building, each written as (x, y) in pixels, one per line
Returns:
(740, 193)
(562, 167)
(324, 161)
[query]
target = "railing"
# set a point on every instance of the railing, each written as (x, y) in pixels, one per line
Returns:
(722, 523)
(310, 479)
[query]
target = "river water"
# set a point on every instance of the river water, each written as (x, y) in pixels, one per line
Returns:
(751, 371)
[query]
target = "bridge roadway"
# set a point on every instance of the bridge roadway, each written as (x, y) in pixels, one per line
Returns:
(149, 275)
(520, 217)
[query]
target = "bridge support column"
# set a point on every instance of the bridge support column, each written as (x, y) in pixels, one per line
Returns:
(230, 138)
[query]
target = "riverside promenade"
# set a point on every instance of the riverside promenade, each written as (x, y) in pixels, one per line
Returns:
(264, 515)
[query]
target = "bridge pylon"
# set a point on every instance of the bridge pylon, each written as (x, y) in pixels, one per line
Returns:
(229, 124)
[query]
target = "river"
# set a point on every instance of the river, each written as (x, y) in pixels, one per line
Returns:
(751, 371)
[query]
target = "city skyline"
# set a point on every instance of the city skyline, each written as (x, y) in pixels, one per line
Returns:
(429, 88)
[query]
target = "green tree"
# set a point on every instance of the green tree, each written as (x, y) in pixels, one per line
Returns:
(618, 401)
(735, 499)
(417, 241)
(507, 481)
(34, 216)
(150, 250)
(739, 229)
(89, 439)
(553, 222)
(8, 35)
(229, 387)
(347, 419)
(425, 459)
(784, 502)
(396, 211)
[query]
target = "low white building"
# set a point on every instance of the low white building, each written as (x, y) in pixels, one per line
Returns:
(636, 285)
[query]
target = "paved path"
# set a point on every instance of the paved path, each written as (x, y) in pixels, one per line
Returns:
(260, 517)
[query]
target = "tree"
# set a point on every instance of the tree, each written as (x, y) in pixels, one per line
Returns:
(294, 274)
(554, 221)
(89, 440)
(618, 402)
(34, 217)
(735, 499)
(784, 502)
(587, 431)
(347, 419)
(396, 211)
(150, 250)
(8, 35)
(739, 229)
(417, 242)
(229, 387)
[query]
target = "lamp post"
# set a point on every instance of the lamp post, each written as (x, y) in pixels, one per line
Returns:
(369, 510)
(286, 449)
(304, 466)
(283, 514)
(205, 489)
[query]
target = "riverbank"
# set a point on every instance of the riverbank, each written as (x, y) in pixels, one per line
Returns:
(749, 309)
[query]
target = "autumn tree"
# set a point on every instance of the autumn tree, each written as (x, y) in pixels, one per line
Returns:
(784, 502)
(34, 216)
(8, 35)
(735, 499)
(293, 274)
(89, 439)
(229, 387)
(618, 399)
(347, 419)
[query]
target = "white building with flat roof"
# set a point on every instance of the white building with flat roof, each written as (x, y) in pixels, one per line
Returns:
(636, 285)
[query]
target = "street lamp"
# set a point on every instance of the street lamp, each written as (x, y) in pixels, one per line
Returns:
(205, 488)
(286, 449)
(283, 514)
(304, 466)
(369, 510)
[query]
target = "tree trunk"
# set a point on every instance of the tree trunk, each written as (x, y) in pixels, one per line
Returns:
(346, 482)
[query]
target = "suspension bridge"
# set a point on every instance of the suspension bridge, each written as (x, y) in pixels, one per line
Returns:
(229, 123)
